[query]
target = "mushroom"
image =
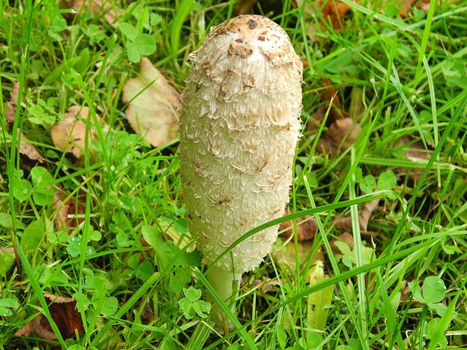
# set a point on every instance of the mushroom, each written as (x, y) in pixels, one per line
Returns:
(239, 128)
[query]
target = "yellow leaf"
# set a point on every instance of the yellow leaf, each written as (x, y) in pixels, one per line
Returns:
(318, 302)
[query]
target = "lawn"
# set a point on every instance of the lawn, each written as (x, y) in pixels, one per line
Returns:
(95, 243)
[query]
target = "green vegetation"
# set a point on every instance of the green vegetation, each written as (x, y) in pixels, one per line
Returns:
(94, 246)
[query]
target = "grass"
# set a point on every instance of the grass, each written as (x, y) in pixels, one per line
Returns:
(401, 286)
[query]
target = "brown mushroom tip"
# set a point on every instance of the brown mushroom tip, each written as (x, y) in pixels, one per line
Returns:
(250, 35)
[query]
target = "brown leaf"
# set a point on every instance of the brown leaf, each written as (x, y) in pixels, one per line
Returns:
(63, 313)
(306, 228)
(99, 8)
(332, 11)
(346, 237)
(265, 284)
(335, 11)
(11, 105)
(406, 6)
(69, 134)
(365, 214)
(345, 223)
(285, 255)
(24, 331)
(25, 147)
(333, 104)
(343, 133)
(66, 211)
(28, 150)
(318, 115)
(413, 151)
(58, 299)
(146, 311)
(328, 93)
(343, 130)
(153, 105)
(425, 5)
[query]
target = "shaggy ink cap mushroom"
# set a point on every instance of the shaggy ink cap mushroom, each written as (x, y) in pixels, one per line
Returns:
(239, 128)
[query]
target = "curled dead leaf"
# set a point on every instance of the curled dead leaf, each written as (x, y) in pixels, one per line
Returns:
(316, 119)
(335, 11)
(24, 331)
(25, 146)
(58, 299)
(63, 312)
(343, 133)
(153, 105)
(343, 130)
(147, 313)
(99, 8)
(332, 11)
(11, 105)
(306, 228)
(28, 150)
(346, 237)
(345, 223)
(412, 151)
(406, 6)
(285, 255)
(69, 134)
(67, 211)
(265, 284)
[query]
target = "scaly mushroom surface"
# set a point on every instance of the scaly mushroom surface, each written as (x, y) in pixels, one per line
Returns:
(239, 128)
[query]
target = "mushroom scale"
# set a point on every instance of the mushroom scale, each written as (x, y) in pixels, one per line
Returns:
(239, 128)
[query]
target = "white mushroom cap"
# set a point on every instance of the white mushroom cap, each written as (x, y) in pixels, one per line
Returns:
(239, 128)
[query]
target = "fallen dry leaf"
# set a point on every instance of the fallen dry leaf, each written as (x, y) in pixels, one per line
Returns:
(346, 237)
(147, 313)
(69, 135)
(406, 6)
(343, 133)
(58, 299)
(335, 11)
(345, 223)
(25, 147)
(66, 212)
(425, 5)
(331, 11)
(11, 105)
(64, 314)
(340, 136)
(317, 117)
(412, 151)
(306, 228)
(343, 130)
(265, 284)
(28, 150)
(99, 8)
(284, 256)
(153, 105)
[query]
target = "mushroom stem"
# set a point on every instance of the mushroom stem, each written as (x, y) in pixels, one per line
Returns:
(226, 285)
